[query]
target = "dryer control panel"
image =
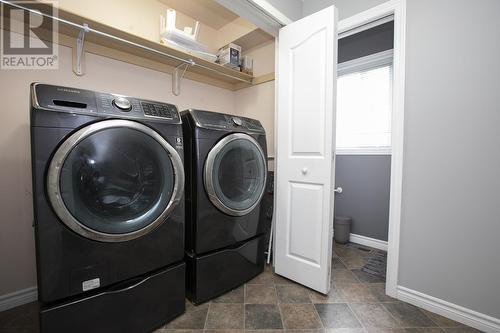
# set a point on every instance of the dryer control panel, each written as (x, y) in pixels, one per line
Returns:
(80, 101)
(226, 122)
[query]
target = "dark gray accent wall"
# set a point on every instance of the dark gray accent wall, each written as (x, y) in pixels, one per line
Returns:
(364, 43)
(365, 180)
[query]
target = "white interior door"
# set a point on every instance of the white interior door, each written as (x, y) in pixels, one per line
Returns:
(305, 143)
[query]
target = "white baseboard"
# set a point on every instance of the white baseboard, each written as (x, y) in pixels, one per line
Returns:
(367, 241)
(449, 310)
(17, 298)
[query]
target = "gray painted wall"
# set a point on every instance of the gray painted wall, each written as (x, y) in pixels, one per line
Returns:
(365, 180)
(451, 204)
(346, 7)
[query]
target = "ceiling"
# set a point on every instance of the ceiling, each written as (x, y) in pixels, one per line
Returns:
(253, 39)
(207, 12)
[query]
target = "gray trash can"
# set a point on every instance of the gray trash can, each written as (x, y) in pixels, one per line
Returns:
(342, 229)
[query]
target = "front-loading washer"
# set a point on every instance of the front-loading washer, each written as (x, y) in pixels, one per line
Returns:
(108, 194)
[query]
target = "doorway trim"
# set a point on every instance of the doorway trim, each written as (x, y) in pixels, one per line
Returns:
(397, 9)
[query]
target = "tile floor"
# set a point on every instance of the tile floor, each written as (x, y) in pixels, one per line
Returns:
(272, 304)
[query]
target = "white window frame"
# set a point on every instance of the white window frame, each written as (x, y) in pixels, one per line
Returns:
(364, 151)
(371, 61)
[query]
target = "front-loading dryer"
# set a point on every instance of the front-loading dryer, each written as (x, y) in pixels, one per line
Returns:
(108, 191)
(226, 169)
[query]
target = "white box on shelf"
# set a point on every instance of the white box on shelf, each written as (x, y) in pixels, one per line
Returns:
(229, 55)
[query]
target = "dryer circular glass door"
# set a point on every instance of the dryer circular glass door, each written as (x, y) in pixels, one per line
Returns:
(235, 174)
(114, 180)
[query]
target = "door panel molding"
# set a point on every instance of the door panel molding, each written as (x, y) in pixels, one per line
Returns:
(307, 194)
(310, 54)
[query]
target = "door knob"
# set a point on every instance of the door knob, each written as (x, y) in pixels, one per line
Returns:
(338, 190)
(304, 171)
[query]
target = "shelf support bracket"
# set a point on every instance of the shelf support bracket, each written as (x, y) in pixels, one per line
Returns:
(79, 56)
(178, 74)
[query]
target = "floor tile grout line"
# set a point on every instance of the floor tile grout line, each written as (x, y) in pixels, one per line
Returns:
(392, 316)
(281, 315)
(244, 307)
(206, 317)
(319, 317)
(357, 317)
(272, 304)
(316, 311)
(230, 303)
(279, 307)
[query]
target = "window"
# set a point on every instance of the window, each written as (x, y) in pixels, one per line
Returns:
(364, 105)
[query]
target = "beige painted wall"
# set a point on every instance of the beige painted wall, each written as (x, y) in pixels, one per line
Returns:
(17, 253)
(258, 101)
(263, 56)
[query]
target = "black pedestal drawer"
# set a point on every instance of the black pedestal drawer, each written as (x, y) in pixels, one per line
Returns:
(137, 305)
(211, 275)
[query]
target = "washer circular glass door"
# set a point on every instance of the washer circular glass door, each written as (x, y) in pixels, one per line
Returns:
(235, 174)
(114, 180)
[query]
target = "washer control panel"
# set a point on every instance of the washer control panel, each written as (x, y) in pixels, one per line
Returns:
(132, 107)
(87, 102)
